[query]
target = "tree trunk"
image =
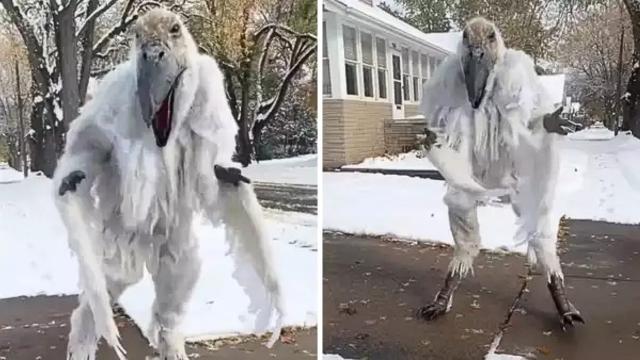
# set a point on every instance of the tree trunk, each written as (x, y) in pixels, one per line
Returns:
(21, 133)
(631, 103)
(36, 137)
(243, 140)
(256, 131)
(64, 23)
(87, 53)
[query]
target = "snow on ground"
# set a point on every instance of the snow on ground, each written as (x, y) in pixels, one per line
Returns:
(296, 170)
(405, 161)
(34, 249)
(332, 357)
(493, 356)
(599, 180)
(9, 174)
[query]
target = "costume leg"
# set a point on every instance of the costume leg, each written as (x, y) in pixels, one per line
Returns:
(463, 220)
(83, 340)
(174, 280)
(537, 170)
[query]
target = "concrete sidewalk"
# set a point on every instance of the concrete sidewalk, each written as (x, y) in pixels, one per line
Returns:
(373, 287)
(37, 328)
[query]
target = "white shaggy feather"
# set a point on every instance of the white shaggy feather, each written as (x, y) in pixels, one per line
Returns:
(500, 147)
(136, 205)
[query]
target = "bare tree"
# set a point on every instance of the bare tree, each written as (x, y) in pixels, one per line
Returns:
(253, 40)
(55, 32)
(592, 49)
(13, 57)
(631, 98)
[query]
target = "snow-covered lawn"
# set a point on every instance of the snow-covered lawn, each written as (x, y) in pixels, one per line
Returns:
(599, 180)
(296, 170)
(35, 259)
(9, 174)
(406, 161)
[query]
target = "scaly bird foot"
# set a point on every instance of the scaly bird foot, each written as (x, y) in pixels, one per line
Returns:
(568, 318)
(568, 313)
(432, 312)
(437, 308)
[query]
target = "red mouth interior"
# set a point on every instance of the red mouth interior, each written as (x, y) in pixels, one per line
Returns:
(162, 120)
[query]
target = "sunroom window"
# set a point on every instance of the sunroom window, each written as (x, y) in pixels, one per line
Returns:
(350, 59)
(406, 87)
(381, 50)
(424, 68)
(366, 41)
(326, 72)
(415, 68)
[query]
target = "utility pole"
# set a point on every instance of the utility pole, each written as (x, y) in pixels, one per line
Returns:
(619, 90)
(21, 141)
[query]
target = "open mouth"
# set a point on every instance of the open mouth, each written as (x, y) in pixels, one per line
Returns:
(162, 120)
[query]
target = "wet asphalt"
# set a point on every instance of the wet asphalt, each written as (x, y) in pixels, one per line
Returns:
(373, 287)
(37, 328)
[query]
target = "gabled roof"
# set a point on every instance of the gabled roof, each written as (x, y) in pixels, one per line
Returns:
(375, 15)
(446, 40)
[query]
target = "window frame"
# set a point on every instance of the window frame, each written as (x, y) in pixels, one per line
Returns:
(364, 66)
(350, 62)
(424, 68)
(384, 68)
(327, 68)
(406, 74)
(415, 76)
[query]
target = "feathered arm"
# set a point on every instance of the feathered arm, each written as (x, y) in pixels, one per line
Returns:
(236, 205)
(86, 151)
(448, 134)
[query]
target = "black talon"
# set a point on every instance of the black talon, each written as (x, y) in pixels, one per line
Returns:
(440, 305)
(568, 313)
(230, 175)
(71, 181)
(434, 310)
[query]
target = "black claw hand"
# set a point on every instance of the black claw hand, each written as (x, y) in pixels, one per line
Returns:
(71, 181)
(568, 313)
(553, 123)
(427, 139)
(230, 175)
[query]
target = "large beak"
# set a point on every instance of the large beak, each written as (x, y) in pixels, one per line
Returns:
(158, 75)
(476, 71)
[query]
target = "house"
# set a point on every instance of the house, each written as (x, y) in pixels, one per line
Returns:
(374, 66)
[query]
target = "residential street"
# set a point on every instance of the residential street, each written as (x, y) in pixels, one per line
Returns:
(288, 197)
(373, 287)
(37, 328)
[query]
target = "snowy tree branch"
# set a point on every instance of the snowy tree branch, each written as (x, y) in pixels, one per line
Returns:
(284, 28)
(298, 58)
(94, 15)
